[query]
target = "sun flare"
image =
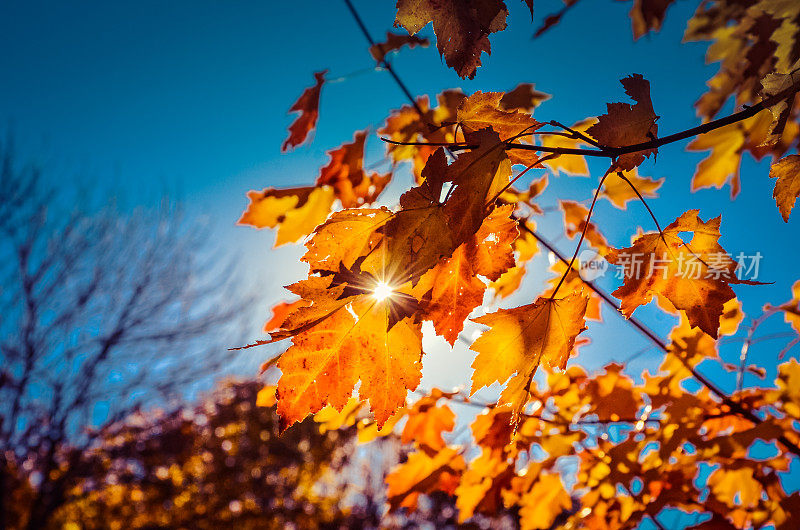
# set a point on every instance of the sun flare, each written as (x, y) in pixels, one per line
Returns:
(382, 291)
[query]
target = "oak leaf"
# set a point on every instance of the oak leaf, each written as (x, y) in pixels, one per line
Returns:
(462, 28)
(627, 124)
(787, 185)
(694, 276)
(520, 339)
(308, 107)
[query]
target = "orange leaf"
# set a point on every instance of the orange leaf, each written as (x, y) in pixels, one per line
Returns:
(627, 124)
(454, 287)
(393, 42)
(619, 193)
(787, 187)
(694, 276)
(462, 28)
(345, 173)
(519, 339)
(354, 342)
(308, 107)
(422, 473)
(484, 109)
(295, 211)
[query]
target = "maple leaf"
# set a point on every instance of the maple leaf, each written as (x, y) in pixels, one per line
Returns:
(523, 97)
(728, 144)
(573, 164)
(426, 229)
(575, 215)
(668, 267)
(423, 473)
(525, 248)
(426, 422)
(519, 339)
(482, 484)
(353, 342)
(545, 501)
(279, 313)
(627, 124)
(295, 211)
(462, 27)
(483, 109)
(787, 84)
(787, 186)
(394, 42)
(453, 288)
(345, 237)
(308, 107)
(573, 283)
(648, 15)
(345, 173)
(619, 192)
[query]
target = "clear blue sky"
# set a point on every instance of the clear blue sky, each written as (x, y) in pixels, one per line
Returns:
(190, 98)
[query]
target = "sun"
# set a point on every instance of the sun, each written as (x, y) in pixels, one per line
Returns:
(382, 291)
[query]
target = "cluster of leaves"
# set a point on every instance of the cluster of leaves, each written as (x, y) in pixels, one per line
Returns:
(220, 464)
(377, 274)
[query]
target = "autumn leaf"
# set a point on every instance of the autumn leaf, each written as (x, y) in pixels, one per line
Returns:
(483, 109)
(452, 289)
(575, 216)
(728, 144)
(525, 248)
(648, 15)
(572, 164)
(573, 283)
(394, 42)
(354, 342)
(787, 186)
(345, 173)
(482, 485)
(519, 339)
(345, 237)
(545, 501)
(279, 313)
(462, 28)
(619, 192)
(422, 473)
(787, 85)
(627, 124)
(295, 211)
(523, 97)
(426, 422)
(308, 107)
(694, 276)
(424, 230)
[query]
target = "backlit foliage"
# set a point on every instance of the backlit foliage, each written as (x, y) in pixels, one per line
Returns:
(568, 448)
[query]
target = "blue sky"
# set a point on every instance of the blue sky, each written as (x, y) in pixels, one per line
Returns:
(190, 99)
